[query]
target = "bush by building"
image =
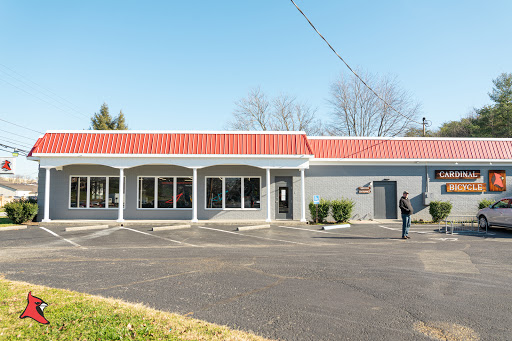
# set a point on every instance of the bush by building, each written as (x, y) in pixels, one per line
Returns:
(485, 203)
(20, 211)
(440, 210)
(341, 210)
(323, 210)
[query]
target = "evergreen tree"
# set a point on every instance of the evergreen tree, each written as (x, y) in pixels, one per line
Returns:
(120, 123)
(103, 120)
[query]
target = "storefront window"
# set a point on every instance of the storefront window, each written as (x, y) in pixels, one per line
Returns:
(171, 191)
(82, 199)
(165, 192)
(251, 192)
(214, 193)
(102, 191)
(98, 190)
(184, 193)
(74, 192)
(233, 192)
(239, 192)
(146, 192)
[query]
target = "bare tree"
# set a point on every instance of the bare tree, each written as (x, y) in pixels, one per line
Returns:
(358, 112)
(282, 113)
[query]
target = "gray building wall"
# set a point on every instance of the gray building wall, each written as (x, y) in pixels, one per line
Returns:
(335, 182)
(60, 185)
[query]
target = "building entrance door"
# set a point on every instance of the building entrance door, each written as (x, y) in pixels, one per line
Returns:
(284, 195)
(384, 200)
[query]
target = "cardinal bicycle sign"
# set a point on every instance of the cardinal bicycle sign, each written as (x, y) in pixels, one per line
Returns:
(7, 165)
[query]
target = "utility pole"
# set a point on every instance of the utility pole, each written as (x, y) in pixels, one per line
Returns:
(424, 123)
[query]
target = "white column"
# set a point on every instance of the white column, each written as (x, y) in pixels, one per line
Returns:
(120, 210)
(46, 217)
(194, 195)
(268, 196)
(302, 197)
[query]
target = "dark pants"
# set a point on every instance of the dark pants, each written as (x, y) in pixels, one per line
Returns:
(406, 224)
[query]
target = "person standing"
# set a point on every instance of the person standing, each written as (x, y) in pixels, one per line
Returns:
(406, 208)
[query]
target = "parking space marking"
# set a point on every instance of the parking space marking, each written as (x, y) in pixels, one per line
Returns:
(298, 228)
(152, 235)
(56, 235)
(399, 229)
(246, 235)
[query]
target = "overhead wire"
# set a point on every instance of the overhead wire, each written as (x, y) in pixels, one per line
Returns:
(59, 98)
(41, 99)
(18, 135)
(5, 139)
(348, 66)
(17, 125)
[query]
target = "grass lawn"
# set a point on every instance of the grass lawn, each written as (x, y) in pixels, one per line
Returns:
(76, 316)
(4, 221)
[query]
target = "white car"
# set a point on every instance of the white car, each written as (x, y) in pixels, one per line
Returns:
(499, 213)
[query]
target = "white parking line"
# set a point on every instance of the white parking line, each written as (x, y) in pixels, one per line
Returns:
(246, 235)
(56, 235)
(298, 228)
(152, 235)
(400, 229)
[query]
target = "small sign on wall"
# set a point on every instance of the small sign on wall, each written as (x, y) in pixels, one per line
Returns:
(497, 181)
(465, 187)
(7, 165)
(364, 190)
(457, 174)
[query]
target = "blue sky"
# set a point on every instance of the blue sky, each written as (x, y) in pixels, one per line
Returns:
(181, 65)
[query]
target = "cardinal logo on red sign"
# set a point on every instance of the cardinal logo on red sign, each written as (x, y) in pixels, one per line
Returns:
(497, 180)
(6, 165)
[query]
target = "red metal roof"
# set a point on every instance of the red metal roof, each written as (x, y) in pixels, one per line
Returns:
(172, 143)
(368, 148)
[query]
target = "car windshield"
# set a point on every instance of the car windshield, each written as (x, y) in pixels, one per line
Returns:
(503, 203)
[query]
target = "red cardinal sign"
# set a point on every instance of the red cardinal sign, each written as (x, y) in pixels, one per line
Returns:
(497, 180)
(34, 309)
(7, 166)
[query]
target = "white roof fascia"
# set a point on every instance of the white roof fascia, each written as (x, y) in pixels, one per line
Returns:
(173, 132)
(408, 138)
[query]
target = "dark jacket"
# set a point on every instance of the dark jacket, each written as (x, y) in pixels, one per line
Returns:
(405, 206)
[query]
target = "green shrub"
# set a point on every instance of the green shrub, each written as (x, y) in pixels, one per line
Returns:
(341, 210)
(20, 211)
(439, 210)
(485, 203)
(323, 210)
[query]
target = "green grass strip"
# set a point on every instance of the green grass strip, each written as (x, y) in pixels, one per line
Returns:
(77, 316)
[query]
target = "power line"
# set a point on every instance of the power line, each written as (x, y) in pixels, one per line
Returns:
(348, 66)
(37, 131)
(6, 139)
(18, 135)
(41, 92)
(14, 148)
(41, 99)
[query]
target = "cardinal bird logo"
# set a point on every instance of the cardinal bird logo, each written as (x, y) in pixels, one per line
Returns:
(6, 166)
(34, 309)
(497, 180)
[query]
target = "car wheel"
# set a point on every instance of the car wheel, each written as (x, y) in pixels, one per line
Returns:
(482, 222)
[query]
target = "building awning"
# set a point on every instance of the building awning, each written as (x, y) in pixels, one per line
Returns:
(425, 149)
(171, 143)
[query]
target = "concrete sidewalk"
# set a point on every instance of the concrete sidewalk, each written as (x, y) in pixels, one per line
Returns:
(81, 222)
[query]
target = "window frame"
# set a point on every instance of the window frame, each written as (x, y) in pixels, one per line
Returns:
(174, 190)
(88, 199)
(242, 190)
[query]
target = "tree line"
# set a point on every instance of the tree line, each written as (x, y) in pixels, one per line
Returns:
(493, 120)
(355, 111)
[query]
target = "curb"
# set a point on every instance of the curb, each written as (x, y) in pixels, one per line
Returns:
(253, 227)
(12, 228)
(83, 228)
(166, 228)
(342, 226)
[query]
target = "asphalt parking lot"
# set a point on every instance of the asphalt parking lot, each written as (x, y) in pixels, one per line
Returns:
(289, 283)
